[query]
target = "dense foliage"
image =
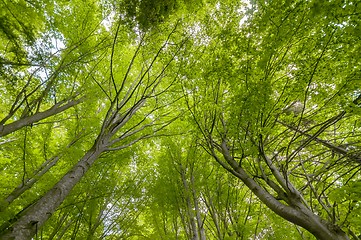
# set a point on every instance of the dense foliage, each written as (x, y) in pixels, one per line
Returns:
(180, 119)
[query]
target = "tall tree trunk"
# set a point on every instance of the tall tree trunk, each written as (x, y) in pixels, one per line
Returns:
(36, 215)
(296, 213)
(191, 217)
(202, 234)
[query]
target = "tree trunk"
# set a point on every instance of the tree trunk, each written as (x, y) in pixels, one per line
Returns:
(202, 234)
(298, 213)
(191, 217)
(36, 215)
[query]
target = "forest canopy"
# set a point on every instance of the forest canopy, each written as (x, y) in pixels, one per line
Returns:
(180, 119)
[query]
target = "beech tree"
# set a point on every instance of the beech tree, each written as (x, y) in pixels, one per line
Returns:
(280, 153)
(180, 120)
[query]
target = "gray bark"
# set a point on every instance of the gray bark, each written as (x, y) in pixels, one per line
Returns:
(202, 234)
(296, 213)
(36, 215)
(193, 225)
(33, 217)
(22, 122)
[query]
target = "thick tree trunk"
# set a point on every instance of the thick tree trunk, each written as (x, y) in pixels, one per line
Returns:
(298, 214)
(36, 215)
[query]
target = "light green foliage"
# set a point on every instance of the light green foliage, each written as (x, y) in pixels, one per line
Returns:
(20, 23)
(223, 72)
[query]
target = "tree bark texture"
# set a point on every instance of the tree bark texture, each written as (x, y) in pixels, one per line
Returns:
(16, 125)
(193, 224)
(36, 215)
(298, 213)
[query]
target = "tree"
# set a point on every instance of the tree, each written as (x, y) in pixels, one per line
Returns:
(179, 120)
(124, 98)
(281, 159)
